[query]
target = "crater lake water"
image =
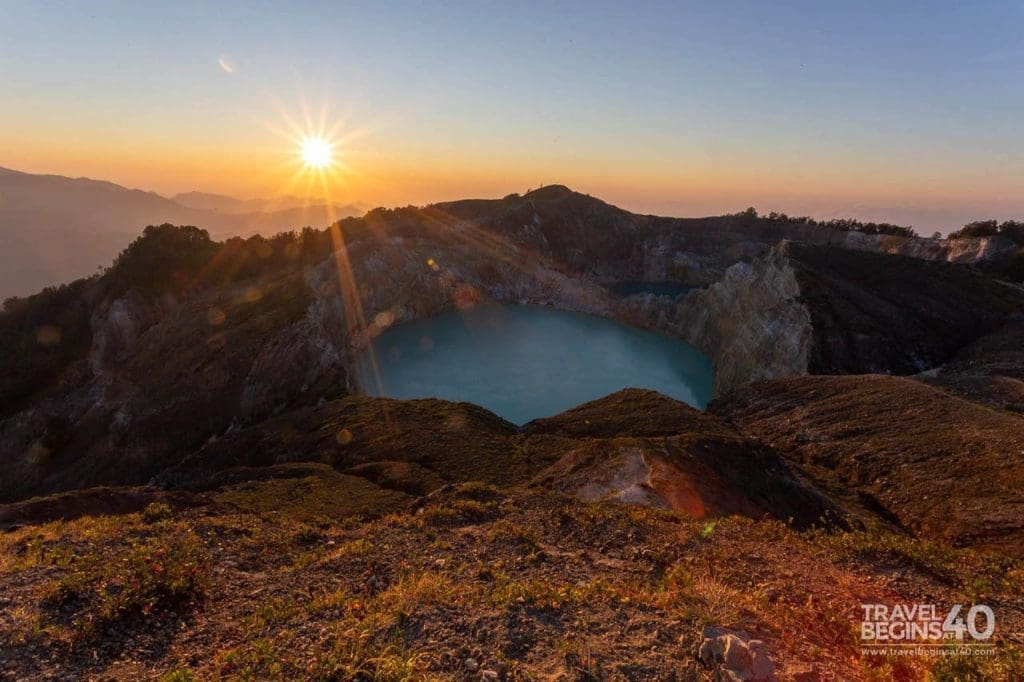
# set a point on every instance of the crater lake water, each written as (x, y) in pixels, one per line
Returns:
(525, 362)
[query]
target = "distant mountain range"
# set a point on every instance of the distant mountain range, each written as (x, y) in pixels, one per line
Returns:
(54, 228)
(223, 203)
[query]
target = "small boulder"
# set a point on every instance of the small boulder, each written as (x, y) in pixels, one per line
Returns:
(736, 655)
(761, 667)
(733, 656)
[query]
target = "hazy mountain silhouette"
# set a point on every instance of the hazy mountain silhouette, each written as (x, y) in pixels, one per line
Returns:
(54, 228)
(223, 203)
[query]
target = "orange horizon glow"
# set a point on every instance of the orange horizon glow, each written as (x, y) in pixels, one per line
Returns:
(374, 166)
(259, 171)
(374, 173)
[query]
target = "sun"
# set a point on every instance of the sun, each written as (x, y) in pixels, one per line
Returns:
(317, 152)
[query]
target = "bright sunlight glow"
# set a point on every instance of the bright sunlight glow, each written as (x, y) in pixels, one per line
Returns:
(317, 152)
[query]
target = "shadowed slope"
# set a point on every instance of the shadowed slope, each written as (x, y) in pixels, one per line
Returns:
(879, 313)
(934, 463)
(692, 462)
(989, 371)
(456, 441)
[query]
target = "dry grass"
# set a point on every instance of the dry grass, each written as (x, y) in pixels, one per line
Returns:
(57, 543)
(147, 578)
(584, 586)
(976, 573)
(314, 499)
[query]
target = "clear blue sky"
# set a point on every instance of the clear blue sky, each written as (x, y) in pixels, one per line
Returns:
(912, 108)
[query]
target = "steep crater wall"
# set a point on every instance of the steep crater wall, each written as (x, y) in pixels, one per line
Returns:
(807, 309)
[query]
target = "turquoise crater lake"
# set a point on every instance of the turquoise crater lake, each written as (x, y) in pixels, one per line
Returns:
(525, 362)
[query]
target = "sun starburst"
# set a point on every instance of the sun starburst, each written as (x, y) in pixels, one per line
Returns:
(318, 146)
(317, 152)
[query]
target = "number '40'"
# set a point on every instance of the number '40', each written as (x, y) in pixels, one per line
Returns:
(956, 626)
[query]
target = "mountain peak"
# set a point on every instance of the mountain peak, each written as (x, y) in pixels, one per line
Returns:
(551, 192)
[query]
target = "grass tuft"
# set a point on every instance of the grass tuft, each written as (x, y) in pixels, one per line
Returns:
(156, 511)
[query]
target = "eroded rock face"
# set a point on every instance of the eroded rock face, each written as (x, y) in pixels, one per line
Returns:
(804, 309)
(752, 322)
(412, 277)
(116, 327)
(294, 362)
(165, 376)
(623, 475)
(968, 250)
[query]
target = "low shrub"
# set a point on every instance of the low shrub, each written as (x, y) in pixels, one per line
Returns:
(156, 511)
(151, 578)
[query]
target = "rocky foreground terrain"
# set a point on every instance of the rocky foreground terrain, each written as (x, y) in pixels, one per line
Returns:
(193, 486)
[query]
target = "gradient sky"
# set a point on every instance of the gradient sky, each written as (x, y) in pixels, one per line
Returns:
(913, 113)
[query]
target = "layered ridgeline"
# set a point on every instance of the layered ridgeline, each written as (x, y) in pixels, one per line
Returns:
(54, 229)
(869, 415)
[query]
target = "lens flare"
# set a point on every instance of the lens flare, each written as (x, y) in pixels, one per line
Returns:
(320, 151)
